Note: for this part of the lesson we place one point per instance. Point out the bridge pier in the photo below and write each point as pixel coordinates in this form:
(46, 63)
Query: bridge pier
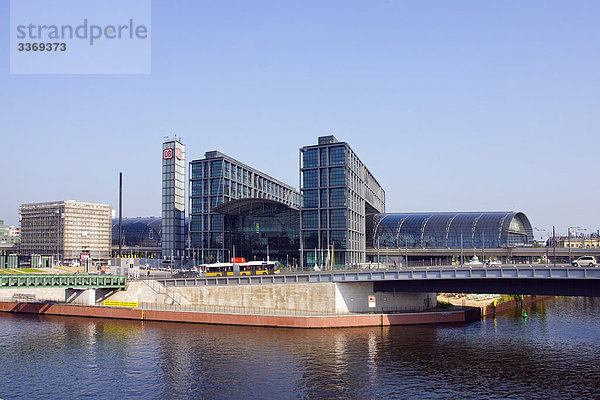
(85, 296)
(354, 298)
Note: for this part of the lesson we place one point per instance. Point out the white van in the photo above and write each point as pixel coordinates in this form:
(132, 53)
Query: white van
(585, 261)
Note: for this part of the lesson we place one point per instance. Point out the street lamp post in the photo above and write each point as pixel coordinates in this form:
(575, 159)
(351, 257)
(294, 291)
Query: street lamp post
(554, 245)
(542, 238)
(569, 236)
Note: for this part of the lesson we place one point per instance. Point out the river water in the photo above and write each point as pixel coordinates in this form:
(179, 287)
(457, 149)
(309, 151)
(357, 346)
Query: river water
(554, 353)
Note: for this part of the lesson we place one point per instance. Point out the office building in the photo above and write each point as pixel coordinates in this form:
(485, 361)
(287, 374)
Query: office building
(173, 199)
(9, 235)
(67, 230)
(218, 179)
(338, 191)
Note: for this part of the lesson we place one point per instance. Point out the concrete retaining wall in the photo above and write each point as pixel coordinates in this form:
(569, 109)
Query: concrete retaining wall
(322, 298)
(240, 319)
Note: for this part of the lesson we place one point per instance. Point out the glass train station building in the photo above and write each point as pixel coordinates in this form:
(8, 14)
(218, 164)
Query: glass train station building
(237, 211)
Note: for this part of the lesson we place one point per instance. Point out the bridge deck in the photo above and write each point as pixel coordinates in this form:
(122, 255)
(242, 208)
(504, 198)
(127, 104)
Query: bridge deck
(394, 275)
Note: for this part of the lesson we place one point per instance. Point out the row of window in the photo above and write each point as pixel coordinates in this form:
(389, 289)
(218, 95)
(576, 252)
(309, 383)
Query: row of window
(207, 240)
(206, 222)
(311, 240)
(336, 219)
(237, 175)
(319, 156)
(335, 176)
(324, 198)
(219, 186)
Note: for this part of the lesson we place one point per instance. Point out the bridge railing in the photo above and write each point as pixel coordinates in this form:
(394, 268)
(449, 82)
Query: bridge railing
(62, 281)
(266, 310)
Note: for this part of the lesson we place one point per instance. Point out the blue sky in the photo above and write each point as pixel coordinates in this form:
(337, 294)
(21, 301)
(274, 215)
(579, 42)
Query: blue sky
(453, 105)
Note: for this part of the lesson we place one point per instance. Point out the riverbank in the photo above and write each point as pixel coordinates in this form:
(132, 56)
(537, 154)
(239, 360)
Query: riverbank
(492, 305)
(281, 321)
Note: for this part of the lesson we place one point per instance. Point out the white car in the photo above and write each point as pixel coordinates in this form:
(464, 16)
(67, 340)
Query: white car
(585, 261)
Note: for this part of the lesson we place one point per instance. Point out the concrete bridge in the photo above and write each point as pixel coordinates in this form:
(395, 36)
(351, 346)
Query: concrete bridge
(520, 279)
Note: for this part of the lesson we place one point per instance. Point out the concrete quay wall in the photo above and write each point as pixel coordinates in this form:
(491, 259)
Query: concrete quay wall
(326, 298)
(341, 321)
(323, 298)
(512, 305)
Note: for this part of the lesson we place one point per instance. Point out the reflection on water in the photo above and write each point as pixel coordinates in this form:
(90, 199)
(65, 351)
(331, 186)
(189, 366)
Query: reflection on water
(554, 353)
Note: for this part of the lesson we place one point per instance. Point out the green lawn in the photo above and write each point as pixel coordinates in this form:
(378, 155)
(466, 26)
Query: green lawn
(16, 271)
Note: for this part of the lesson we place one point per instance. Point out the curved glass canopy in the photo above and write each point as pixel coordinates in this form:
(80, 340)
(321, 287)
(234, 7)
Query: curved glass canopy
(449, 230)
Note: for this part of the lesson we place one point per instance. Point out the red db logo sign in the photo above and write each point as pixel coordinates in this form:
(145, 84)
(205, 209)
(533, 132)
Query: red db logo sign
(167, 154)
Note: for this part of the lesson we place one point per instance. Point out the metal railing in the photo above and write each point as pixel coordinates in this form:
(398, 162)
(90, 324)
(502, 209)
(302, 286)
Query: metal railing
(218, 309)
(44, 300)
(269, 311)
(161, 289)
(62, 281)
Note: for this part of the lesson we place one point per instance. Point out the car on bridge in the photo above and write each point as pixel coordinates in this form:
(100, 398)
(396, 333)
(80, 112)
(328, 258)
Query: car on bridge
(585, 261)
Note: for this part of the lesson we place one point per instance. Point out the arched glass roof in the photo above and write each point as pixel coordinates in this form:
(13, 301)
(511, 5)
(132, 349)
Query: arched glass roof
(138, 232)
(449, 230)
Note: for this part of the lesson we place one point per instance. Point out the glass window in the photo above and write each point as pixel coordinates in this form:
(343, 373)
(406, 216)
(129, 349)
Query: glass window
(323, 156)
(196, 205)
(310, 199)
(338, 239)
(309, 178)
(196, 224)
(309, 158)
(337, 176)
(323, 177)
(324, 219)
(337, 197)
(216, 240)
(226, 170)
(337, 218)
(215, 168)
(215, 201)
(337, 155)
(310, 219)
(196, 171)
(216, 223)
(197, 188)
(311, 239)
(323, 197)
(216, 186)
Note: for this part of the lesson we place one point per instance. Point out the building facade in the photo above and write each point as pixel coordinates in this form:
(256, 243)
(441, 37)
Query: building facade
(338, 191)
(173, 199)
(261, 229)
(576, 242)
(9, 235)
(218, 179)
(67, 230)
